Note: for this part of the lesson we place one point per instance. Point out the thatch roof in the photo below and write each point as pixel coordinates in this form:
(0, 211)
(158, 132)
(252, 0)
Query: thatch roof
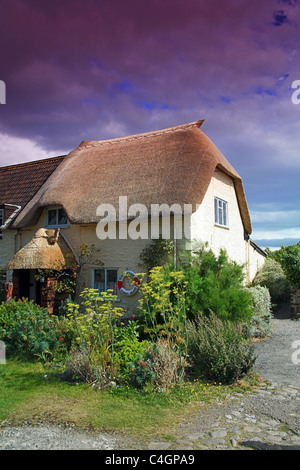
(173, 165)
(46, 250)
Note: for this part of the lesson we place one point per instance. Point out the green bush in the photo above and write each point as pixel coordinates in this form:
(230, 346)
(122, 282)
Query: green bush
(217, 349)
(215, 283)
(141, 370)
(29, 330)
(271, 275)
(289, 259)
(126, 352)
(260, 323)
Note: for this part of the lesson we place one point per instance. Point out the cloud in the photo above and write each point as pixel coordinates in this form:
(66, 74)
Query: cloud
(93, 70)
(17, 150)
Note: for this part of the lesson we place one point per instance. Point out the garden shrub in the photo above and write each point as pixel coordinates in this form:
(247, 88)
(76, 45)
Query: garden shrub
(289, 259)
(215, 283)
(260, 323)
(141, 371)
(271, 275)
(96, 324)
(162, 308)
(78, 368)
(28, 330)
(166, 365)
(126, 352)
(217, 349)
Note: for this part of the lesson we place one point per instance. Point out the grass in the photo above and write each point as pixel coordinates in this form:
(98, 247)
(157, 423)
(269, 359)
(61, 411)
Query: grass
(30, 391)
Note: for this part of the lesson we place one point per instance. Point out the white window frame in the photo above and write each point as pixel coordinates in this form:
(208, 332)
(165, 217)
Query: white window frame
(221, 212)
(105, 280)
(56, 225)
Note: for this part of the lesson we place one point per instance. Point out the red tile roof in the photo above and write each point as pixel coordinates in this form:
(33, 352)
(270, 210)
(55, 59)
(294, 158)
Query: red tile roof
(19, 183)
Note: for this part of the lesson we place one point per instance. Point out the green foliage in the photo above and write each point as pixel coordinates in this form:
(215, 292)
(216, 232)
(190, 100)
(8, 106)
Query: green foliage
(215, 283)
(217, 349)
(271, 275)
(95, 326)
(141, 370)
(156, 253)
(162, 307)
(289, 258)
(127, 348)
(260, 323)
(28, 330)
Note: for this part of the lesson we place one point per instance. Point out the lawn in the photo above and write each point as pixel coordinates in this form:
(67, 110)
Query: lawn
(30, 391)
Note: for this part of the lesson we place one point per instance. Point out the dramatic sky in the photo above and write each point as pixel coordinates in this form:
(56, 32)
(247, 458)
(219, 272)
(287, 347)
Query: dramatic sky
(95, 69)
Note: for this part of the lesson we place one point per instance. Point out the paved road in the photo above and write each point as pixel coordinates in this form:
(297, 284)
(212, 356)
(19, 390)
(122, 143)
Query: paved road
(276, 353)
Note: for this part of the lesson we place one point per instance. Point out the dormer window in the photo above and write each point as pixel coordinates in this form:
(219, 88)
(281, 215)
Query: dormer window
(56, 218)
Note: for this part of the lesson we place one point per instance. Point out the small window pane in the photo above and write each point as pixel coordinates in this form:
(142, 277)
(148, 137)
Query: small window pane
(111, 279)
(216, 211)
(52, 217)
(99, 280)
(224, 213)
(62, 217)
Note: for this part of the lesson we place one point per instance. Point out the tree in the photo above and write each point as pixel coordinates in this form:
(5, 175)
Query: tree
(289, 258)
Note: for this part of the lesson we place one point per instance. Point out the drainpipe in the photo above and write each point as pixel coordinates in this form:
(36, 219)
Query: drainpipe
(16, 211)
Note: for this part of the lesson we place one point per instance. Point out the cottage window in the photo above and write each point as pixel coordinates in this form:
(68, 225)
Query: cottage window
(105, 278)
(221, 212)
(56, 218)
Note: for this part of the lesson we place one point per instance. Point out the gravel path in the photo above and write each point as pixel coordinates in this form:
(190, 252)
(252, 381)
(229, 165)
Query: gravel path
(268, 418)
(274, 355)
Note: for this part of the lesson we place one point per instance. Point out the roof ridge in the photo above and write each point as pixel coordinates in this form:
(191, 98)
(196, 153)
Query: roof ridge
(129, 138)
(31, 162)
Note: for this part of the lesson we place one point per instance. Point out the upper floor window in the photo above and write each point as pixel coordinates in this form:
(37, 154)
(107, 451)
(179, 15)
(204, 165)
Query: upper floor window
(221, 212)
(56, 218)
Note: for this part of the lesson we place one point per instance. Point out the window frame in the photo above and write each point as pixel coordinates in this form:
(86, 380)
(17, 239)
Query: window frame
(56, 225)
(105, 279)
(221, 220)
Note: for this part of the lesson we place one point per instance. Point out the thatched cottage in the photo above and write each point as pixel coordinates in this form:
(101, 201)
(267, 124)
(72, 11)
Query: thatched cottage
(174, 168)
